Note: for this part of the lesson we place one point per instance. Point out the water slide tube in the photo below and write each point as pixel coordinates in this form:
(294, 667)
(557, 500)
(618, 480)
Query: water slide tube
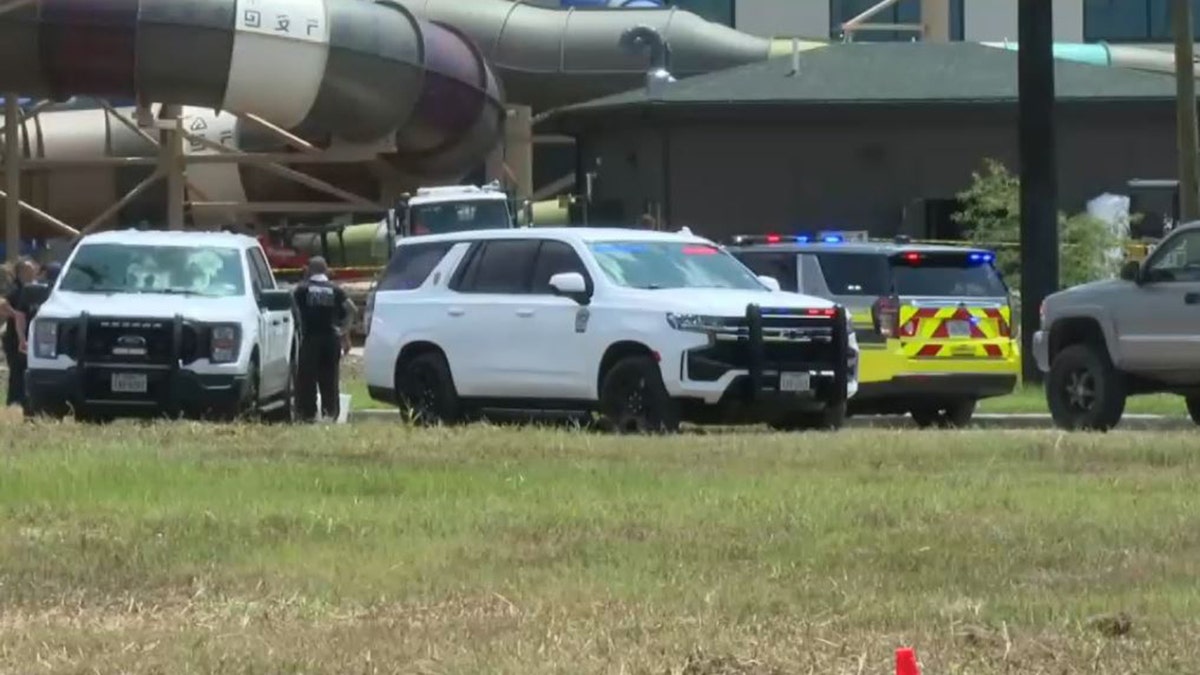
(416, 82)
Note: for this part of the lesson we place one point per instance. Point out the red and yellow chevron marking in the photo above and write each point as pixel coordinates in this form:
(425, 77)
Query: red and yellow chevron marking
(983, 332)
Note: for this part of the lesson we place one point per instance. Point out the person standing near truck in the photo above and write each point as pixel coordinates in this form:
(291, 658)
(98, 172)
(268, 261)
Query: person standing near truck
(325, 316)
(14, 335)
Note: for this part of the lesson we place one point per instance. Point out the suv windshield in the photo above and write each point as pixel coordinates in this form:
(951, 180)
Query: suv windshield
(664, 264)
(953, 277)
(124, 268)
(448, 217)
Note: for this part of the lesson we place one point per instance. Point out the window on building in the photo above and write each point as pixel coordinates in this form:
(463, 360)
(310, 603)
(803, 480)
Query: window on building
(1131, 20)
(717, 11)
(905, 11)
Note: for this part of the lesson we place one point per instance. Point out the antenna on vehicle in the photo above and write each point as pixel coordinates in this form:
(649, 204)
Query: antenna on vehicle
(644, 37)
(795, 57)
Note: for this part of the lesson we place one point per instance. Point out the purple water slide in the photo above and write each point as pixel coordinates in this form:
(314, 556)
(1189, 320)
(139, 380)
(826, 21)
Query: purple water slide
(352, 69)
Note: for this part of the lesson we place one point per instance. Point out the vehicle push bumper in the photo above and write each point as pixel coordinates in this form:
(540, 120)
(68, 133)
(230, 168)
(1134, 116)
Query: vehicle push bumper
(146, 382)
(777, 361)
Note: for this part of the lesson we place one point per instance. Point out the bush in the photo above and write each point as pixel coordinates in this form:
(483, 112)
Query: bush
(991, 216)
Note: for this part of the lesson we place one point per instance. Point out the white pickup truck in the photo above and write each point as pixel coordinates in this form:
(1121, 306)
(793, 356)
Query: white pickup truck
(148, 323)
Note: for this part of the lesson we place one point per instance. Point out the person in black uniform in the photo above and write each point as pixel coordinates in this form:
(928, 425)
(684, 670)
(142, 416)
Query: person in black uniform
(325, 314)
(14, 331)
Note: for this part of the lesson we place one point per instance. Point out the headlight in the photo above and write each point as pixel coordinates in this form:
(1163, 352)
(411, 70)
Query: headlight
(696, 323)
(224, 343)
(45, 339)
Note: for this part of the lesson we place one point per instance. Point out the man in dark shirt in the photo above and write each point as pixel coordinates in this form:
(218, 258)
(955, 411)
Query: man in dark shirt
(325, 314)
(14, 331)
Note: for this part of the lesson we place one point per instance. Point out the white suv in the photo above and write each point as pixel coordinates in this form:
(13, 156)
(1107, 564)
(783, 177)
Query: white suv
(647, 329)
(150, 323)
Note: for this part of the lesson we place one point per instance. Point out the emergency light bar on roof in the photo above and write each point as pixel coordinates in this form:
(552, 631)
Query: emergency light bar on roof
(823, 237)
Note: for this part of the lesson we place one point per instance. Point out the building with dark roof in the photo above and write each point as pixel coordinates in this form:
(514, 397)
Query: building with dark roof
(878, 136)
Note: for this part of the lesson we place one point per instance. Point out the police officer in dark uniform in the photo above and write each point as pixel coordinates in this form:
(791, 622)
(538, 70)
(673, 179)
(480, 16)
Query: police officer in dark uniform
(325, 314)
(24, 274)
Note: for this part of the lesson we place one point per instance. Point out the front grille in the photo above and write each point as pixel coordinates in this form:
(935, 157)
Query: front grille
(141, 341)
(134, 341)
(792, 340)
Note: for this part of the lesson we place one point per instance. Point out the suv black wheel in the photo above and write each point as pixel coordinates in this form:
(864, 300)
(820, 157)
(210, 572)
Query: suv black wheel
(948, 416)
(1084, 391)
(831, 418)
(633, 399)
(426, 390)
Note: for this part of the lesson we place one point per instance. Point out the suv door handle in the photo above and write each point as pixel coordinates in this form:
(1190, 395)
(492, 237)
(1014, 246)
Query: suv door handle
(1191, 298)
(455, 311)
(525, 313)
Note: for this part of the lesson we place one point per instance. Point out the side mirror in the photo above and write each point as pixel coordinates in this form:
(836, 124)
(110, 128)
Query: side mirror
(1131, 271)
(770, 282)
(571, 285)
(275, 300)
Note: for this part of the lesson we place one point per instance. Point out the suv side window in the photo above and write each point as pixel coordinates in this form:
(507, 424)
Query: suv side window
(411, 265)
(854, 273)
(781, 265)
(499, 266)
(1176, 260)
(260, 272)
(555, 257)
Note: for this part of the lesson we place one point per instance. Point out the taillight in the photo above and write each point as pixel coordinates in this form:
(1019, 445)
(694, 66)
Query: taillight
(886, 315)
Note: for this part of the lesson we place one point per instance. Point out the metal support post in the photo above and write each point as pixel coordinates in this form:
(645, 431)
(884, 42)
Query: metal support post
(1185, 101)
(518, 148)
(172, 164)
(1039, 170)
(12, 175)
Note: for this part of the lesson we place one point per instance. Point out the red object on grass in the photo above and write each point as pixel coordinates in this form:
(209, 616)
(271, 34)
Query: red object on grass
(906, 662)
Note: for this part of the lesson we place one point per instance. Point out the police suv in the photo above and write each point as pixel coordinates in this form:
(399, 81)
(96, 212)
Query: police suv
(934, 322)
(644, 329)
(145, 323)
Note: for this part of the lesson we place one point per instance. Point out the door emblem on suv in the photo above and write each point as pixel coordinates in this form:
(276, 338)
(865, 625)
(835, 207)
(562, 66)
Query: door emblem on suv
(130, 345)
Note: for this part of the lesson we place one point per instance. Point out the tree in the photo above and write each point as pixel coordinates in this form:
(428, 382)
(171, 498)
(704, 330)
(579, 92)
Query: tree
(991, 216)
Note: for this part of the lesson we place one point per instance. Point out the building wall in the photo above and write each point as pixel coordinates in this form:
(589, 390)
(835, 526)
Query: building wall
(861, 172)
(996, 20)
(984, 20)
(786, 18)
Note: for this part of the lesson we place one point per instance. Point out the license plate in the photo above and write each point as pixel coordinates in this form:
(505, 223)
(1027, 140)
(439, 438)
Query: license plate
(794, 382)
(958, 329)
(129, 383)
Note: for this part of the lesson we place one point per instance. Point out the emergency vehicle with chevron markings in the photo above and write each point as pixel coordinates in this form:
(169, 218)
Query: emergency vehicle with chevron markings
(934, 323)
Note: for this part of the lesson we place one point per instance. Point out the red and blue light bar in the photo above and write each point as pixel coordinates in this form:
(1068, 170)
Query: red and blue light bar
(788, 239)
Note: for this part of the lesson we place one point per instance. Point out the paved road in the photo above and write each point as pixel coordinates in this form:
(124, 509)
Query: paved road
(987, 421)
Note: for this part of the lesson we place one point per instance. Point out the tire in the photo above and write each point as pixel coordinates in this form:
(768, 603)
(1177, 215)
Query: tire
(832, 418)
(426, 392)
(250, 408)
(1193, 408)
(951, 416)
(634, 400)
(1084, 391)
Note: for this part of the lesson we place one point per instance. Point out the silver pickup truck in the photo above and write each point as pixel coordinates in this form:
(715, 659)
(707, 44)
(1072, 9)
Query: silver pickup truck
(1102, 342)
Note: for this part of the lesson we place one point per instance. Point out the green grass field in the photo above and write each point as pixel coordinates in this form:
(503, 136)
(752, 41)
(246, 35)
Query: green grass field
(379, 549)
